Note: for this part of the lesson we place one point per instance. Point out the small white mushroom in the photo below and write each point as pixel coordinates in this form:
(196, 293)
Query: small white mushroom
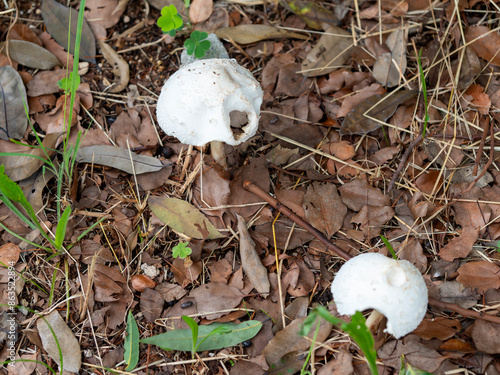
(395, 288)
(196, 102)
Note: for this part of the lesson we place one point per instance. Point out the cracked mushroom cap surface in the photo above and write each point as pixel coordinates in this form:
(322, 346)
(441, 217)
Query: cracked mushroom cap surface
(395, 288)
(195, 102)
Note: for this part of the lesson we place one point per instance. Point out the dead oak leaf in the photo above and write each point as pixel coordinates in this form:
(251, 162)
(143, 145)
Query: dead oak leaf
(481, 275)
(323, 207)
(480, 99)
(460, 246)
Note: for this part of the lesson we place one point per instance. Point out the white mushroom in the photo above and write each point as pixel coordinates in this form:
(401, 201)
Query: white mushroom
(395, 288)
(196, 102)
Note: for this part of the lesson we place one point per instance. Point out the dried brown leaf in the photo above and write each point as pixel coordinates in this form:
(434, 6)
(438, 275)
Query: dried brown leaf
(119, 65)
(13, 120)
(20, 167)
(323, 208)
(251, 262)
(151, 304)
(480, 275)
(486, 44)
(440, 327)
(141, 282)
(370, 114)
(246, 34)
(200, 10)
(358, 193)
(486, 336)
(66, 344)
(106, 13)
(332, 50)
(289, 340)
(390, 67)
(212, 299)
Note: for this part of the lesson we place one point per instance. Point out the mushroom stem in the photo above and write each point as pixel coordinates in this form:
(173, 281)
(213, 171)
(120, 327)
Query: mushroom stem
(374, 320)
(219, 153)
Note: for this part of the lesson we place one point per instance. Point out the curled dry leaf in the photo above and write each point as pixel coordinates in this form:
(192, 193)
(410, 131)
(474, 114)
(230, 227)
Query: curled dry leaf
(141, 282)
(13, 120)
(119, 65)
(390, 67)
(246, 34)
(66, 341)
(250, 261)
(480, 99)
(332, 51)
(481, 275)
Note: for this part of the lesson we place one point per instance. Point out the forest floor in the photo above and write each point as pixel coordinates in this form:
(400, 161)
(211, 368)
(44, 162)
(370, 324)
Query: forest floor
(379, 121)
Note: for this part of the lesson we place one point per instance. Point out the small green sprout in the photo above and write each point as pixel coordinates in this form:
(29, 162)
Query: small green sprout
(197, 44)
(66, 82)
(169, 21)
(181, 250)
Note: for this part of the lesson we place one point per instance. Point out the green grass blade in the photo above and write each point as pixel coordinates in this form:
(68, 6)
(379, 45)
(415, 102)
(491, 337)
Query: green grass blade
(61, 228)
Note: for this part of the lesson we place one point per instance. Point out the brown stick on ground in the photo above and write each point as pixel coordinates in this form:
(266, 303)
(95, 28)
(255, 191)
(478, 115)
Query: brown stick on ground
(464, 312)
(296, 219)
(341, 253)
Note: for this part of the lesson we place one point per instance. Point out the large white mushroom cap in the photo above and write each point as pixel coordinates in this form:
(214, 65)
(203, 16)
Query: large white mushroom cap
(395, 288)
(195, 102)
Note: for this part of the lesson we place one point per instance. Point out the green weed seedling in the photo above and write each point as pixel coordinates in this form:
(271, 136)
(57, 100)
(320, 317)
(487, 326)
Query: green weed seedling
(195, 344)
(170, 22)
(424, 92)
(181, 250)
(389, 246)
(357, 329)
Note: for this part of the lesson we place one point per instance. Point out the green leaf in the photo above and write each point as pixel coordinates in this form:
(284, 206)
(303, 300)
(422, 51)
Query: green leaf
(181, 339)
(131, 345)
(61, 228)
(169, 19)
(11, 192)
(389, 246)
(360, 333)
(194, 331)
(181, 250)
(183, 217)
(198, 36)
(197, 44)
(66, 83)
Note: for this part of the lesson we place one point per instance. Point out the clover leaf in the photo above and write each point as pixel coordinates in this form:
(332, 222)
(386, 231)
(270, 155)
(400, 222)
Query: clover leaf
(181, 250)
(169, 21)
(197, 44)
